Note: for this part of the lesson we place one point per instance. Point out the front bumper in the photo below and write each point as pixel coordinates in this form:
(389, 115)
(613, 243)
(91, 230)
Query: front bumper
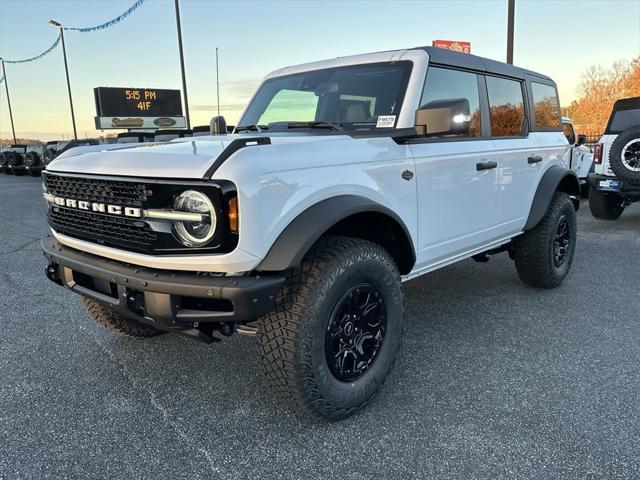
(169, 300)
(608, 184)
(34, 168)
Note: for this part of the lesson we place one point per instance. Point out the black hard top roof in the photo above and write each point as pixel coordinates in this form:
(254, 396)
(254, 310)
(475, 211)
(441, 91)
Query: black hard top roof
(627, 104)
(452, 58)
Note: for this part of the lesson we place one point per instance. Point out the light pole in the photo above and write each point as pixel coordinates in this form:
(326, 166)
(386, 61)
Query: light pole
(184, 78)
(510, 21)
(66, 70)
(6, 86)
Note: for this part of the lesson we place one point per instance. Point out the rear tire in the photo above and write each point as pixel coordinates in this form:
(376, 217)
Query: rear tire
(607, 206)
(344, 297)
(111, 320)
(544, 254)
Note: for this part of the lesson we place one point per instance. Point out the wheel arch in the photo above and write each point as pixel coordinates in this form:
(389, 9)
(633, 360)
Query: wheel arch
(555, 179)
(348, 215)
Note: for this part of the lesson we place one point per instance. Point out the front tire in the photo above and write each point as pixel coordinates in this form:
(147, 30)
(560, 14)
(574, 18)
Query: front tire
(606, 206)
(333, 337)
(544, 254)
(120, 324)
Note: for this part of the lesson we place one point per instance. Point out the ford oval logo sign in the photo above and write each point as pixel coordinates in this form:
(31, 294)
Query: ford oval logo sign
(164, 122)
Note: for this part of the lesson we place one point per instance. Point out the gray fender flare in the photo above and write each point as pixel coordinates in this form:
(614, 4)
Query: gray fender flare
(299, 236)
(554, 179)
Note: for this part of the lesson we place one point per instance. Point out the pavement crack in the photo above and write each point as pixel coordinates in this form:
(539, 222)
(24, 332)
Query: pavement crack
(21, 247)
(153, 400)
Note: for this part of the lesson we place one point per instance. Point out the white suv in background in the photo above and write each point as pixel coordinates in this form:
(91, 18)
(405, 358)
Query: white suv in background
(615, 182)
(344, 178)
(580, 156)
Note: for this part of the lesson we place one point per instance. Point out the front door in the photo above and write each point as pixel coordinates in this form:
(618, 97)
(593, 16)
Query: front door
(456, 170)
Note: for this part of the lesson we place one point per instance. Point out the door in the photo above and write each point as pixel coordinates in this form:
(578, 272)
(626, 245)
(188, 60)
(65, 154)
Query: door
(518, 156)
(457, 181)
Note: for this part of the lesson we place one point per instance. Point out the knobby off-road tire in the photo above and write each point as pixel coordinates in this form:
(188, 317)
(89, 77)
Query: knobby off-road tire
(607, 206)
(124, 326)
(624, 156)
(297, 341)
(543, 255)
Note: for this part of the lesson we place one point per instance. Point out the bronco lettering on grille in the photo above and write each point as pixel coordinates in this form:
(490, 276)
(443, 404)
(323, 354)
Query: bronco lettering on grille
(96, 207)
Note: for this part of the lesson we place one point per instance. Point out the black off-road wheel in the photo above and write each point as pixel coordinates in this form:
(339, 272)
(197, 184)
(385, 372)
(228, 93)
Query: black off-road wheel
(126, 327)
(606, 206)
(624, 156)
(544, 254)
(333, 337)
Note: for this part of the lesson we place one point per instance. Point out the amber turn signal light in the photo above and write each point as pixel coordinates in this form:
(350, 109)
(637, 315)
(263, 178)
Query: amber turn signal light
(233, 214)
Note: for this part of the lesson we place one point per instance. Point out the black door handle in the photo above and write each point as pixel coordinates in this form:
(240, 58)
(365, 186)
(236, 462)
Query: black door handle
(534, 159)
(486, 165)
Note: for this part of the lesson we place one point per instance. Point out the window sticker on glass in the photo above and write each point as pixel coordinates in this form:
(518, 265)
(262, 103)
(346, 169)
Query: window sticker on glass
(386, 121)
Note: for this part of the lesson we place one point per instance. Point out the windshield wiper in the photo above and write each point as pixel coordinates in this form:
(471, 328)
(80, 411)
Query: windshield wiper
(318, 125)
(251, 128)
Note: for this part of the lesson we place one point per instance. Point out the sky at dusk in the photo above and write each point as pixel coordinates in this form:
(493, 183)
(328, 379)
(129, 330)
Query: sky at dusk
(560, 38)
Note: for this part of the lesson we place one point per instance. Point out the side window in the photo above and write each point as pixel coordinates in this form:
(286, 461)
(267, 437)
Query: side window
(452, 101)
(506, 107)
(567, 128)
(545, 105)
(291, 106)
(623, 119)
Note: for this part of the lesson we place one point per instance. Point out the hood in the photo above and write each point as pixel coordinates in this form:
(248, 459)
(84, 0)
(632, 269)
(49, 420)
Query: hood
(185, 158)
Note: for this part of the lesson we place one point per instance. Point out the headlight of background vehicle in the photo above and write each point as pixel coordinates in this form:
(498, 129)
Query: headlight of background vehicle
(195, 234)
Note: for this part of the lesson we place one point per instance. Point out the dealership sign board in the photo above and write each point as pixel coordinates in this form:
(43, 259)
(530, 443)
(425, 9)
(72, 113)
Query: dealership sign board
(464, 47)
(137, 108)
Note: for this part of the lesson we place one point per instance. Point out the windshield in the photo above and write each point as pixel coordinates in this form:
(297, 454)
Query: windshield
(351, 97)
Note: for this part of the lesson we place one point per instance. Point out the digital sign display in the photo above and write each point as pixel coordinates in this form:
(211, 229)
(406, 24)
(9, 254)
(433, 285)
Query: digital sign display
(137, 102)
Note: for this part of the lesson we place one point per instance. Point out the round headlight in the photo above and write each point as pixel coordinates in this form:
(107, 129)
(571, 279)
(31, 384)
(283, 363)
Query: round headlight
(195, 233)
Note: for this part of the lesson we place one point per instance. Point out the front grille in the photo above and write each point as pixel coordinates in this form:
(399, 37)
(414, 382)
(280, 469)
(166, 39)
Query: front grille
(134, 234)
(114, 192)
(105, 229)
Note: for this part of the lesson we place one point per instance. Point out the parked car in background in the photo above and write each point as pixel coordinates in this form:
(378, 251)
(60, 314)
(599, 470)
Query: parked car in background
(135, 137)
(51, 149)
(201, 131)
(34, 159)
(615, 181)
(168, 134)
(13, 159)
(580, 155)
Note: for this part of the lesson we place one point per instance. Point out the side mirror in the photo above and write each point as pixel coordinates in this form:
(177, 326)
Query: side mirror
(218, 126)
(582, 138)
(445, 117)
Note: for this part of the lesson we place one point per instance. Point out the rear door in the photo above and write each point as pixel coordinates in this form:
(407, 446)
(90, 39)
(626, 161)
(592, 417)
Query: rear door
(457, 201)
(520, 163)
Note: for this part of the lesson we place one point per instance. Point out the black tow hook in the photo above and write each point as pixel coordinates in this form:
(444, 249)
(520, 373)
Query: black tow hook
(135, 302)
(51, 271)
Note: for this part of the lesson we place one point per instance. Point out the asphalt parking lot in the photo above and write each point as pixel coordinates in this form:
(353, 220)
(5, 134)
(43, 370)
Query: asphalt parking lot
(494, 379)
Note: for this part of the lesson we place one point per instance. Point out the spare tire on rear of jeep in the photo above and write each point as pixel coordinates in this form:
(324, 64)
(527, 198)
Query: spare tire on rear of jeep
(624, 156)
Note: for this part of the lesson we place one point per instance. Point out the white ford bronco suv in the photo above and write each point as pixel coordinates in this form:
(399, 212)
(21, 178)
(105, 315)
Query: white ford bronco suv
(343, 179)
(615, 181)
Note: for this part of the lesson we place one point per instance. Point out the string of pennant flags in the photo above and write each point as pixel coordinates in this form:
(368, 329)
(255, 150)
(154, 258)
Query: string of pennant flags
(111, 22)
(48, 50)
(102, 26)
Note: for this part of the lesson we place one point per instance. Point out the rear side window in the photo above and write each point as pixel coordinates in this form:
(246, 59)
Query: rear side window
(546, 105)
(506, 107)
(451, 96)
(623, 119)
